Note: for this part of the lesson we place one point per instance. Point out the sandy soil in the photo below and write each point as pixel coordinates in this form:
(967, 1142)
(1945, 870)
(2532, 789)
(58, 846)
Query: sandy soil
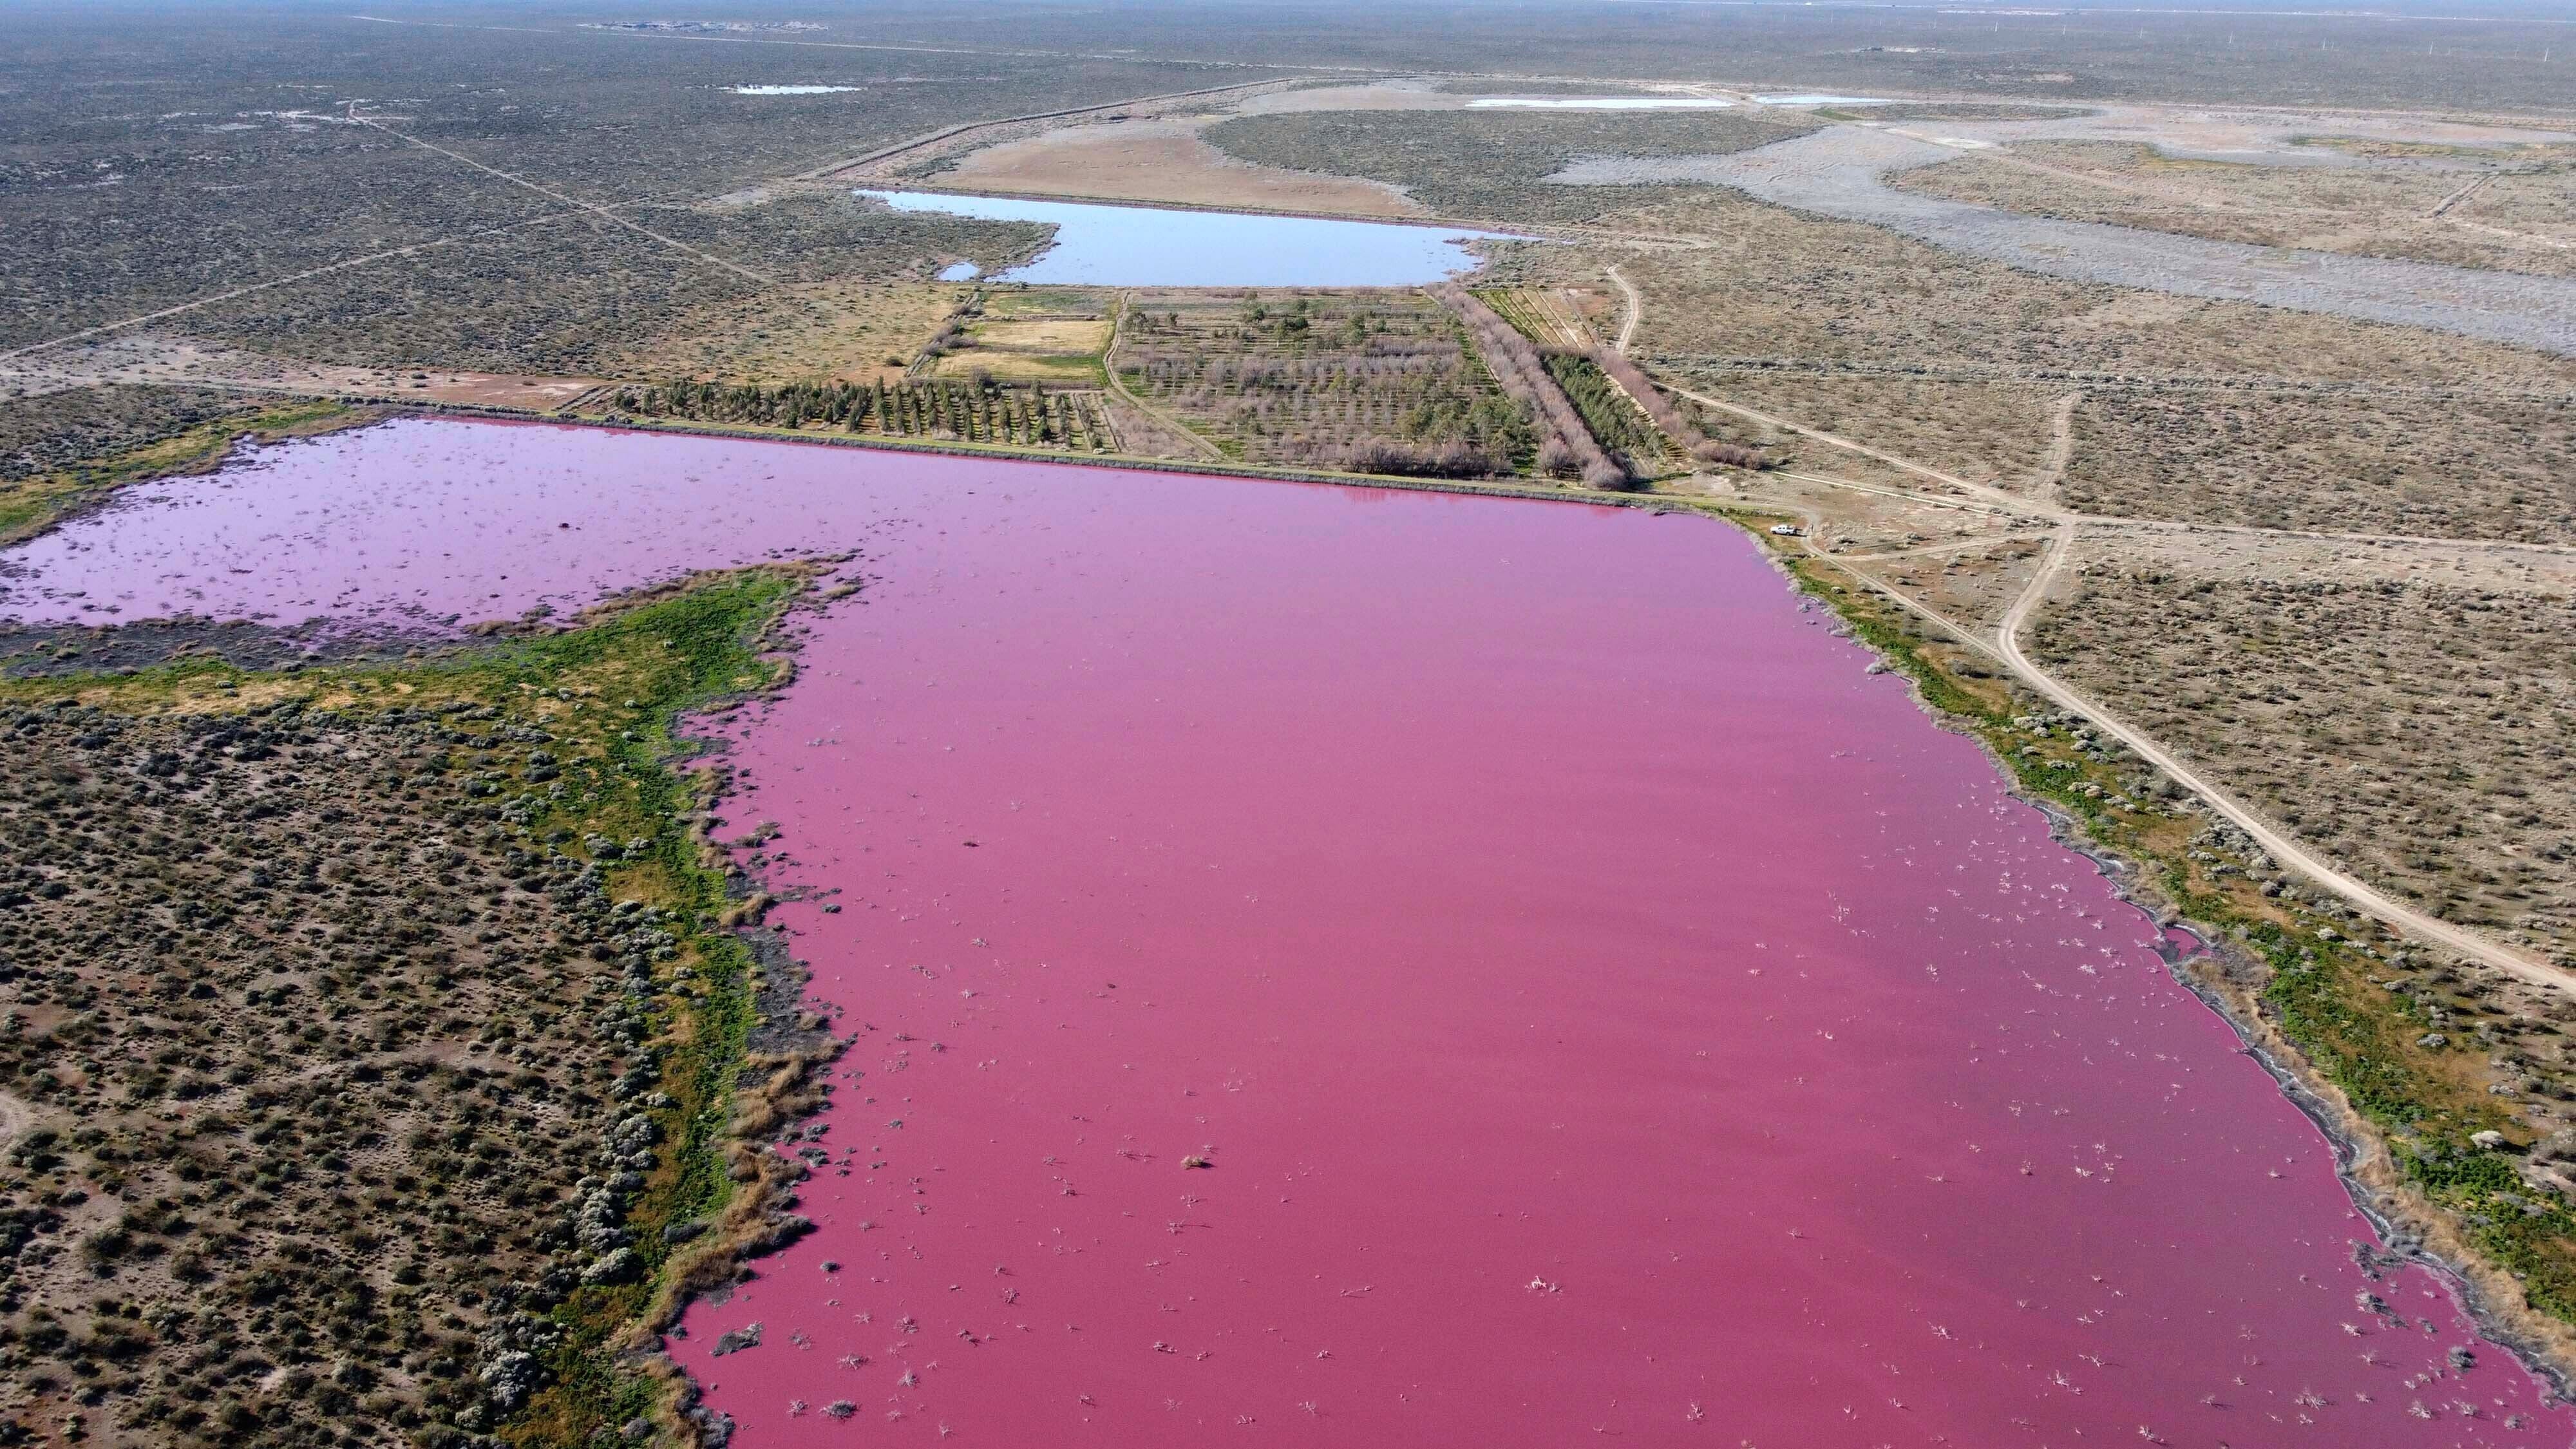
(1164, 161)
(15, 1117)
(858, 329)
(1853, 516)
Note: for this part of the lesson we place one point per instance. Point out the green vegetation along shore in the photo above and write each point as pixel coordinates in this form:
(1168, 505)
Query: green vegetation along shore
(2400, 1051)
(383, 1038)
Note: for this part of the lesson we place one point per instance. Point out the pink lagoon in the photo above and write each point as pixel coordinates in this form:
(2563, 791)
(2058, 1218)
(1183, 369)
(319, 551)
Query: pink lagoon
(1336, 966)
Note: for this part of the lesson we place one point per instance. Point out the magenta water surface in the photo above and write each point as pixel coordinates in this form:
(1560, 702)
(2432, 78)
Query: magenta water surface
(1603, 1009)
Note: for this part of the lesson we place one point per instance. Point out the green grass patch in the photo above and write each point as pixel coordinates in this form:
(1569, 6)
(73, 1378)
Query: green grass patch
(605, 698)
(29, 506)
(1617, 423)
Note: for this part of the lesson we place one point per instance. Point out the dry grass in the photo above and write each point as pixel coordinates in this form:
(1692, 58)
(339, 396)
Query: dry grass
(1063, 351)
(2419, 732)
(2316, 439)
(1773, 284)
(2456, 468)
(856, 331)
(362, 1028)
(1994, 433)
(1973, 585)
(290, 1053)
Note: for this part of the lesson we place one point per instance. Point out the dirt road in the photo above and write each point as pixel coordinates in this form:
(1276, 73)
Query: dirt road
(1636, 311)
(2287, 851)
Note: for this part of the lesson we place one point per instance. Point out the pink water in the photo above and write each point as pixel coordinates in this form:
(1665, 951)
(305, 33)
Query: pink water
(1605, 1008)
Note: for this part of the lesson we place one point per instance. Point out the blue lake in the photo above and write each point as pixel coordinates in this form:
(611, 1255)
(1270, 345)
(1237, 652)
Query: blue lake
(1147, 246)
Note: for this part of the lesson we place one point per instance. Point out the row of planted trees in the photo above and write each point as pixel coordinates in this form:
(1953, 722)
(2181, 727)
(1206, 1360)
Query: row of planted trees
(1676, 424)
(1566, 447)
(977, 410)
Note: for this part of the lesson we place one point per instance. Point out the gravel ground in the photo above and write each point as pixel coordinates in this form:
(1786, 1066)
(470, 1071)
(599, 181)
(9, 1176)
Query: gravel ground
(1838, 172)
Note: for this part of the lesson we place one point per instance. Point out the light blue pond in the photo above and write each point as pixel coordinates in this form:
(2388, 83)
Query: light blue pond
(1146, 246)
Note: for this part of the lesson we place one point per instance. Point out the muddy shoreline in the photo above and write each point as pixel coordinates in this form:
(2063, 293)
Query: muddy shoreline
(2408, 1232)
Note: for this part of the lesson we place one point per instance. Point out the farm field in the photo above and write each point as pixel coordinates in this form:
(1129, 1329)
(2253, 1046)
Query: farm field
(1378, 382)
(1035, 335)
(978, 410)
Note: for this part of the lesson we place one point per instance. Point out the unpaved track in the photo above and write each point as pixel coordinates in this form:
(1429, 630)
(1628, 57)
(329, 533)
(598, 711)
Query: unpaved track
(2044, 482)
(1979, 491)
(1636, 311)
(1926, 550)
(2287, 851)
(2224, 383)
(1118, 385)
(2009, 502)
(2005, 648)
(147, 318)
(604, 213)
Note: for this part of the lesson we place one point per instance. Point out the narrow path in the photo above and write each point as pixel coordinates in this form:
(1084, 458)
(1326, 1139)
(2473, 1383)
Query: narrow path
(1118, 385)
(2288, 852)
(123, 323)
(1923, 550)
(1996, 496)
(602, 212)
(2008, 502)
(2043, 484)
(2095, 381)
(2005, 648)
(1930, 500)
(1636, 311)
(2460, 195)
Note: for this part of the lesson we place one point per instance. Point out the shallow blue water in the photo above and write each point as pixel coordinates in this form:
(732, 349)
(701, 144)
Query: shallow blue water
(1145, 246)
